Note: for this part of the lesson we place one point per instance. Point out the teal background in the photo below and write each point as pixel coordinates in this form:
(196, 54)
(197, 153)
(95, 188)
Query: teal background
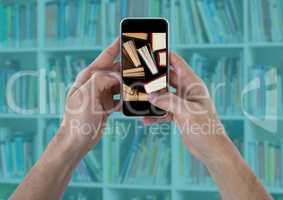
(163, 168)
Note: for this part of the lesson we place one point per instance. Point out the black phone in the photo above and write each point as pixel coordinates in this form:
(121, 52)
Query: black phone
(144, 60)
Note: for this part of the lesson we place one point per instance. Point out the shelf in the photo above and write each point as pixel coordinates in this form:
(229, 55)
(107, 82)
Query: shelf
(10, 181)
(33, 116)
(18, 116)
(265, 45)
(139, 187)
(275, 190)
(18, 50)
(208, 46)
(73, 49)
(232, 118)
(197, 188)
(85, 185)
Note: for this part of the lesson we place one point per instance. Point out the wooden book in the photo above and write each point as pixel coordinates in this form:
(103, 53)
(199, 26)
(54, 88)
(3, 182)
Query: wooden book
(131, 50)
(142, 36)
(148, 59)
(130, 94)
(162, 58)
(156, 84)
(158, 41)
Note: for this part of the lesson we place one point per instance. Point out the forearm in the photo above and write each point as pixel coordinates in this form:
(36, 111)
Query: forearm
(49, 178)
(234, 178)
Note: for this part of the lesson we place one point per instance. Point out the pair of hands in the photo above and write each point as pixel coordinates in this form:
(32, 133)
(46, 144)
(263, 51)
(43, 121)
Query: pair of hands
(90, 102)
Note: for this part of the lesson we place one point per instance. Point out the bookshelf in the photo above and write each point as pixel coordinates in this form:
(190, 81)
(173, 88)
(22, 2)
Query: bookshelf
(240, 127)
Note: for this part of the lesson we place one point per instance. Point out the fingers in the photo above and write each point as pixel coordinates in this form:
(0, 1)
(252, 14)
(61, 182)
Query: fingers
(86, 74)
(152, 120)
(103, 62)
(184, 73)
(107, 57)
(118, 105)
(169, 102)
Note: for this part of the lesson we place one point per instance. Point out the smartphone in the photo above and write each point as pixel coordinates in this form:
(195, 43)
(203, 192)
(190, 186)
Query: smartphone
(144, 60)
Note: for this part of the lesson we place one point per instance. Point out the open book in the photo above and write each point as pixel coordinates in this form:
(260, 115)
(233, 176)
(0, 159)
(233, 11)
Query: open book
(156, 84)
(148, 59)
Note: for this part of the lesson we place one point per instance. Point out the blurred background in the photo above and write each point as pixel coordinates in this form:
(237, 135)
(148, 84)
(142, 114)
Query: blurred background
(235, 46)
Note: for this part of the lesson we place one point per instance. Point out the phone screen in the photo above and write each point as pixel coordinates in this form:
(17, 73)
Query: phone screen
(144, 50)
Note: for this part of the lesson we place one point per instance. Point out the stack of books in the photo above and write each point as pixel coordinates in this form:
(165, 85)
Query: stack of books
(116, 10)
(73, 22)
(18, 24)
(90, 168)
(266, 99)
(62, 71)
(265, 159)
(207, 21)
(21, 96)
(16, 153)
(266, 20)
(224, 79)
(144, 64)
(192, 171)
(138, 155)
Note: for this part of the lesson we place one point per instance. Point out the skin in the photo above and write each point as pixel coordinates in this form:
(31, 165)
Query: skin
(190, 108)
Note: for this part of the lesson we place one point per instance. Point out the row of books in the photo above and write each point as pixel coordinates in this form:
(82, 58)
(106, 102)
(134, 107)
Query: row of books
(207, 21)
(192, 171)
(266, 99)
(73, 22)
(224, 78)
(18, 24)
(90, 168)
(21, 95)
(138, 155)
(16, 153)
(62, 71)
(265, 159)
(266, 20)
(116, 10)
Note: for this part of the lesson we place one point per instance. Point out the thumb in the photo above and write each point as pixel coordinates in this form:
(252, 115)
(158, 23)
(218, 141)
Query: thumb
(168, 101)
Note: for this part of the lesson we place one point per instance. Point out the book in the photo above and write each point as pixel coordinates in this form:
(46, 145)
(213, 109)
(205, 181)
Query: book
(130, 94)
(15, 153)
(207, 21)
(23, 97)
(162, 59)
(148, 59)
(131, 50)
(18, 26)
(73, 22)
(225, 90)
(142, 36)
(147, 161)
(158, 41)
(156, 84)
(265, 159)
(133, 72)
(62, 71)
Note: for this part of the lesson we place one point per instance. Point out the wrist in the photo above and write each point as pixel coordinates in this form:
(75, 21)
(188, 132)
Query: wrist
(224, 155)
(70, 148)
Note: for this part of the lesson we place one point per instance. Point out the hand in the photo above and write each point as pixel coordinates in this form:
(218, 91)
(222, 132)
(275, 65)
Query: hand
(90, 100)
(193, 111)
